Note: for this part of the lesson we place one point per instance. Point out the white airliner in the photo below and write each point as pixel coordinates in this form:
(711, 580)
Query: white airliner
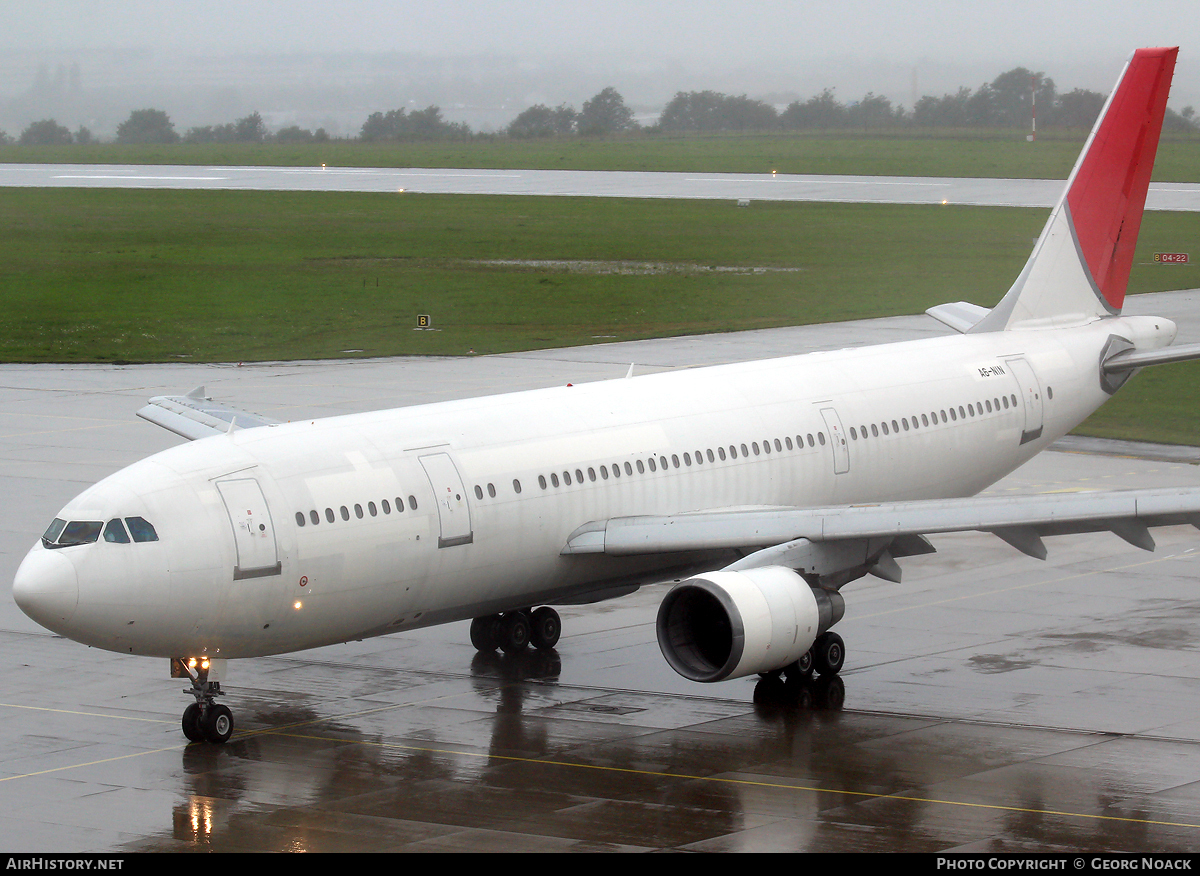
(789, 477)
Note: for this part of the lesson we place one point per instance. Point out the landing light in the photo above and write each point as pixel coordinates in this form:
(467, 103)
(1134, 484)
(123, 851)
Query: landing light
(297, 605)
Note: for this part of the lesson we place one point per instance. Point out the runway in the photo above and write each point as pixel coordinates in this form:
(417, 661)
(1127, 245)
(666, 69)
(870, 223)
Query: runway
(615, 184)
(990, 702)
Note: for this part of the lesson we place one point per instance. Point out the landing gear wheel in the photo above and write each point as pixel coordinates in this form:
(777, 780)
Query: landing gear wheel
(514, 632)
(485, 635)
(191, 723)
(545, 628)
(829, 653)
(217, 724)
(802, 668)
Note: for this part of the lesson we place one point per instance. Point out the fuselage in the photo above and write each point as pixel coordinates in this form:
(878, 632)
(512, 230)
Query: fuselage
(292, 536)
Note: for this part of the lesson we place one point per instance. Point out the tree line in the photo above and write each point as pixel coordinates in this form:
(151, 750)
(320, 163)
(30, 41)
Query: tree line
(1012, 99)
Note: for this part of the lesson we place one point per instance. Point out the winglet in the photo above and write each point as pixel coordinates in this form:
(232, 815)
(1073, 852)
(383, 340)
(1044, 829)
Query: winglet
(1080, 265)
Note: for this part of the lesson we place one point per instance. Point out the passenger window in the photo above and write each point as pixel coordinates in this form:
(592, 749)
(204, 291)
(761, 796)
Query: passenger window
(141, 529)
(591, 473)
(853, 434)
(567, 478)
(478, 492)
(329, 514)
(629, 468)
(674, 460)
(604, 472)
(579, 476)
(114, 532)
(491, 491)
(641, 468)
(755, 446)
(788, 442)
(412, 502)
(652, 465)
(721, 453)
(687, 459)
(387, 509)
(299, 522)
(399, 505)
(345, 513)
(371, 509)
(542, 481)
(516, 485)
(821, 438)
(314, 517)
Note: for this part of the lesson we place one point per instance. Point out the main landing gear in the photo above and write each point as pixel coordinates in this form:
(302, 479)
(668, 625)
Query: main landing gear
(204, 720)
(826, 658)
(514, 631)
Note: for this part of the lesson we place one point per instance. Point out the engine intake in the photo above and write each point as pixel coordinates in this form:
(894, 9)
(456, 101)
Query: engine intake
(731, 624)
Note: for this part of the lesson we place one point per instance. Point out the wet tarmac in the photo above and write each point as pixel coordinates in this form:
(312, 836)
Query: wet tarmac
(990, 702)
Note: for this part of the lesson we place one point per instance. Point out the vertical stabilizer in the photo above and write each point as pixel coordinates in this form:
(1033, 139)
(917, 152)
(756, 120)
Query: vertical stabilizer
(1080, 264)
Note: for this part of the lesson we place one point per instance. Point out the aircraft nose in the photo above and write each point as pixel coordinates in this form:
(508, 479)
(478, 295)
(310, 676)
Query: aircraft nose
(46, 588)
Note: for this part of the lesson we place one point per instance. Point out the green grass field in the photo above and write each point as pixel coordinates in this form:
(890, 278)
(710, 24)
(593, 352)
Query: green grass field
(139, 276)
(908, 152)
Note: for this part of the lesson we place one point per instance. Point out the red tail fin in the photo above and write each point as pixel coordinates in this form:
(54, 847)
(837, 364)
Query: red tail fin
(1108, 190)
(1080, 265)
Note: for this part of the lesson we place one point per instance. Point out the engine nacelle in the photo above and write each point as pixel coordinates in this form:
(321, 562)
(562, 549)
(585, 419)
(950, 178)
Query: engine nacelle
(730, 624)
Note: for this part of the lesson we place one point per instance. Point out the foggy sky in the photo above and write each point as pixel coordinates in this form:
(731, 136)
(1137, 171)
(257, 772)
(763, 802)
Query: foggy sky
(647, 50)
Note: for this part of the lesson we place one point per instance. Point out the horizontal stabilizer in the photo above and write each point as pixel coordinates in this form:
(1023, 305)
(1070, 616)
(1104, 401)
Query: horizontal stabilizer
(1131, 359)
(194, 416)
(961, 316)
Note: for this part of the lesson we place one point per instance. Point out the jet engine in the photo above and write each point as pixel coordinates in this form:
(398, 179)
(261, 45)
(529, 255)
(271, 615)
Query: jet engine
(725, 625)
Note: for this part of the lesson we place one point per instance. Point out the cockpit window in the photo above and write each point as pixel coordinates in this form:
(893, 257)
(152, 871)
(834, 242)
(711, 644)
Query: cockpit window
(52, 531)
(114, 532)
(73, 533)
(141, 529)
(62, 534)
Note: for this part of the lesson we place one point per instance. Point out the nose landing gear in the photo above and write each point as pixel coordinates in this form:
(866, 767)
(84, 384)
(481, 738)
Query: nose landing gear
(204, 720)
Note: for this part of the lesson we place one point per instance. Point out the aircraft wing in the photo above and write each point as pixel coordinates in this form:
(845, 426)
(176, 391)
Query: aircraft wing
(817, 539)
(196, 416)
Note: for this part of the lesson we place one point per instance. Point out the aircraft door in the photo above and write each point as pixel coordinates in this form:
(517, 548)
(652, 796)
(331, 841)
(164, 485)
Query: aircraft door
(454, 513)
(253, 532)
(837, 437)
(1031, 398)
